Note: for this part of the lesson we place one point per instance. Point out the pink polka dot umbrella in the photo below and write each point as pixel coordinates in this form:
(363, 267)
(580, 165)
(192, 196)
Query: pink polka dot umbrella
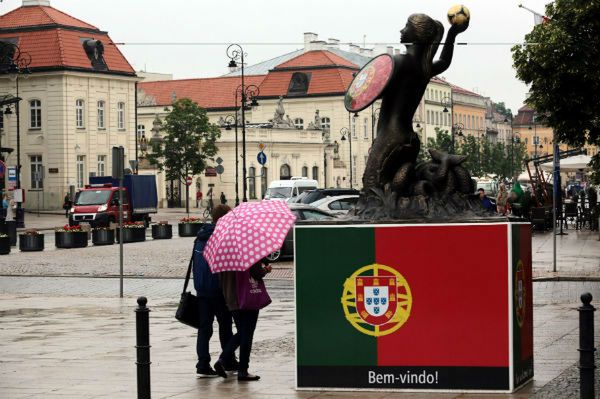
(247, 234)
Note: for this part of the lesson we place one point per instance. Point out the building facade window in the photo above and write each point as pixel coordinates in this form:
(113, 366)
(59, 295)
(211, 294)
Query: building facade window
(79, 114)
(252, 182)
(315, 173)
(365, 128)
(141, 130)
(437, 118)
(101, 165)
(354, 168)
(353, 126)
(37, 172)
(35, 113)
(285, 172)
(80, 171)
(305, 171)
(121, 115)
(428, 117)
(1, 121)
(263, 181)
(100, 107)
(299, 123)
(325, 123)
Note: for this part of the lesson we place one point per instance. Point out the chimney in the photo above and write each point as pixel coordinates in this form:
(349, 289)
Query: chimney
(353, 48)
(316, 45)
(396, 51)
(308, 38)
(389, 50)
(333, 43)
(27, 3)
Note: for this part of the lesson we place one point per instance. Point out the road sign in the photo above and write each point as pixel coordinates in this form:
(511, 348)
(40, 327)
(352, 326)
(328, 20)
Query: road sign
(261, 146)
(219, 160)
(261, 158)
(220, 169)
(188, 181)
(12, 177)
(2, 169)
(210, 172)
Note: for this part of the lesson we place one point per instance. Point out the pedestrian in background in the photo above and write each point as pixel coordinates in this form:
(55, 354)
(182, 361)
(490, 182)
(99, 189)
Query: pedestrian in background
(67, 204)
(198, 199)
(223, 199)
(485, 201)
(211, 302)
(501, 200)
(9, 204)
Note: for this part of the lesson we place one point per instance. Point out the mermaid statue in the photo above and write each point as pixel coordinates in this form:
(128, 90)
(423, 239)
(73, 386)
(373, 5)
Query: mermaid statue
(394, 184)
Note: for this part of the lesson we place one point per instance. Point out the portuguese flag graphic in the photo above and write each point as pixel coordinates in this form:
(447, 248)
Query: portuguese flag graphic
(432, 307)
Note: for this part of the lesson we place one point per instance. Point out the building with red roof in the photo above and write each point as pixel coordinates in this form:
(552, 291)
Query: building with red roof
(77, 102)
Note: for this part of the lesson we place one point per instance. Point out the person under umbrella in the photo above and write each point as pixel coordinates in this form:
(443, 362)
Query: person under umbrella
(237, 250)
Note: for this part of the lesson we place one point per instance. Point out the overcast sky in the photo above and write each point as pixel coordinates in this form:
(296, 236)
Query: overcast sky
(486, 69)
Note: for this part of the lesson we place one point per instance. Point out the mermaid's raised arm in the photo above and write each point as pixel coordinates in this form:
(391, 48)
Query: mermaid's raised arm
(445, 59)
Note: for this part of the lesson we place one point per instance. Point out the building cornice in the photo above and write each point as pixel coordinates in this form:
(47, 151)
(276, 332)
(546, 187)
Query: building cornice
(312, 68)
(37, 28)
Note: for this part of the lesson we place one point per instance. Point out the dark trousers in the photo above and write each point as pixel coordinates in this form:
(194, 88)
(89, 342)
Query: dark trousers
(210, 308)
(245, 322)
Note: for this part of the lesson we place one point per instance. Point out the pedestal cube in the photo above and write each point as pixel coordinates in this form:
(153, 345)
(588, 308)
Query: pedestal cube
(419, 307)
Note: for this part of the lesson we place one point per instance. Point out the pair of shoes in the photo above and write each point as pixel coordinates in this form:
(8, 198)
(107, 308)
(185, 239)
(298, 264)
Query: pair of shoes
(220, 369)
(232, 367)
(248, 377)
(207, 372)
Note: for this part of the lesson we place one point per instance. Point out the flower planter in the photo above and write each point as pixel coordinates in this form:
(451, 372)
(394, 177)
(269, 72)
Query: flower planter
(4, 245)
(135, 234)
(71, 239)
(103, 237)
(31, 242)
(189, 229)
(162, 231)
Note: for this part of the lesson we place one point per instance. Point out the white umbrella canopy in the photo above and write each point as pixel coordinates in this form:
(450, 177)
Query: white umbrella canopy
(570, 164)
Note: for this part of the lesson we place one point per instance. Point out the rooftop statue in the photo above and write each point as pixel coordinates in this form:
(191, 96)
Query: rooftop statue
(395, 185)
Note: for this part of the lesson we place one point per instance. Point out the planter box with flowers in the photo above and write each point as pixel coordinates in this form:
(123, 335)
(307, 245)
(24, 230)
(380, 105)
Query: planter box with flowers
(189, 227)
(103, 236)
(132, 232)
(162, 231)
(31, 241)
(70, 237)
(4, 244)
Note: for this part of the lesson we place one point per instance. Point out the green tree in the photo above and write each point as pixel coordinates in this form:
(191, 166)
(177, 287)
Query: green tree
(189, 141)
(471, 147)
(561, 67)
(501, 109)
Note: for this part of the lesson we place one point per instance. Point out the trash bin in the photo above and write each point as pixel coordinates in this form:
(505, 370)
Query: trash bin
(10, 228)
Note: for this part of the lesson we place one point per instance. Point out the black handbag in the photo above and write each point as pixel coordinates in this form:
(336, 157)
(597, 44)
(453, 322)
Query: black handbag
(188, 310)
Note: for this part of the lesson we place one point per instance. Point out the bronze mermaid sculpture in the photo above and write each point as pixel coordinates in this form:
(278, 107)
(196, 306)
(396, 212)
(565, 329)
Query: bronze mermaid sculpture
(394, 185)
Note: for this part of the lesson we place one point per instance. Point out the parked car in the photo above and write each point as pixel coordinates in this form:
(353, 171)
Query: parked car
(302, 212)
(308, 197)
(338, 205)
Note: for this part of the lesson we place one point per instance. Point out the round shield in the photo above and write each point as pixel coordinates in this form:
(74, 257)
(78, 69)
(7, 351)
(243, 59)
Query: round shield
(369, 83)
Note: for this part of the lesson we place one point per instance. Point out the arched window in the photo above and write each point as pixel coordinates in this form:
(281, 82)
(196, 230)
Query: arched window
(100, 114)
(285, 172)
(315, 173)
(325, 123)
(305, 171)
(35, 112)
(299, 123)
(79, 105)
(252, 182)
(263, 181)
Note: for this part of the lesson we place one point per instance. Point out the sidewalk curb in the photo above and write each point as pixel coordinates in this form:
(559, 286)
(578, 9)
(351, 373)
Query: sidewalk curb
(566, 278)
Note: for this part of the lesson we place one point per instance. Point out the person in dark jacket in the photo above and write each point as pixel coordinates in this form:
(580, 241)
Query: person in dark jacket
(245, 322)
(211, 302)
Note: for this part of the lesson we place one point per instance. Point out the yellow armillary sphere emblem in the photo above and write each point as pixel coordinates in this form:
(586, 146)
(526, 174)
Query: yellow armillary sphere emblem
(376, 300)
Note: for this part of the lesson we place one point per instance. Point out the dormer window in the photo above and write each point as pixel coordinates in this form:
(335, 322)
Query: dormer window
(298, 84)
(94, 49)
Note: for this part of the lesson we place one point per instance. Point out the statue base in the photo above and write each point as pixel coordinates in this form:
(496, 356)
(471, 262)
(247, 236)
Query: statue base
(411, 306)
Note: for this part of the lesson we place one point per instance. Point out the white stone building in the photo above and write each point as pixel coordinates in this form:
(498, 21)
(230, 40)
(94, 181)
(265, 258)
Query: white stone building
(77, 102)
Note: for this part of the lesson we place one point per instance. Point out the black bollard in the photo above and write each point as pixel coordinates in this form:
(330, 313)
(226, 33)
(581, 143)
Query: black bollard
(142, 334)
(586, 348)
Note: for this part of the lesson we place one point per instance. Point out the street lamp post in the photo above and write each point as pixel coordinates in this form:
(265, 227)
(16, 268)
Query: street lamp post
(457, 129)
(229, 119)
(374, 118)
(15, 62)
(346, 132)
(235, 52)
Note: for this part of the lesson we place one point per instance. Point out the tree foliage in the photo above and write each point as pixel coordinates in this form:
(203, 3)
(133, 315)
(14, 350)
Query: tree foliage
(483, 156)
(189, 141)
(501, 109)
(561, 66)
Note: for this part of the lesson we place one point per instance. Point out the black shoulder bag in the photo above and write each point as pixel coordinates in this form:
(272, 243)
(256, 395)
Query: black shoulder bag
(188, 310)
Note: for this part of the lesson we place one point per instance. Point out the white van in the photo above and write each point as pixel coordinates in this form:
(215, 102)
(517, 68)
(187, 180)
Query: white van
(285, 189)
